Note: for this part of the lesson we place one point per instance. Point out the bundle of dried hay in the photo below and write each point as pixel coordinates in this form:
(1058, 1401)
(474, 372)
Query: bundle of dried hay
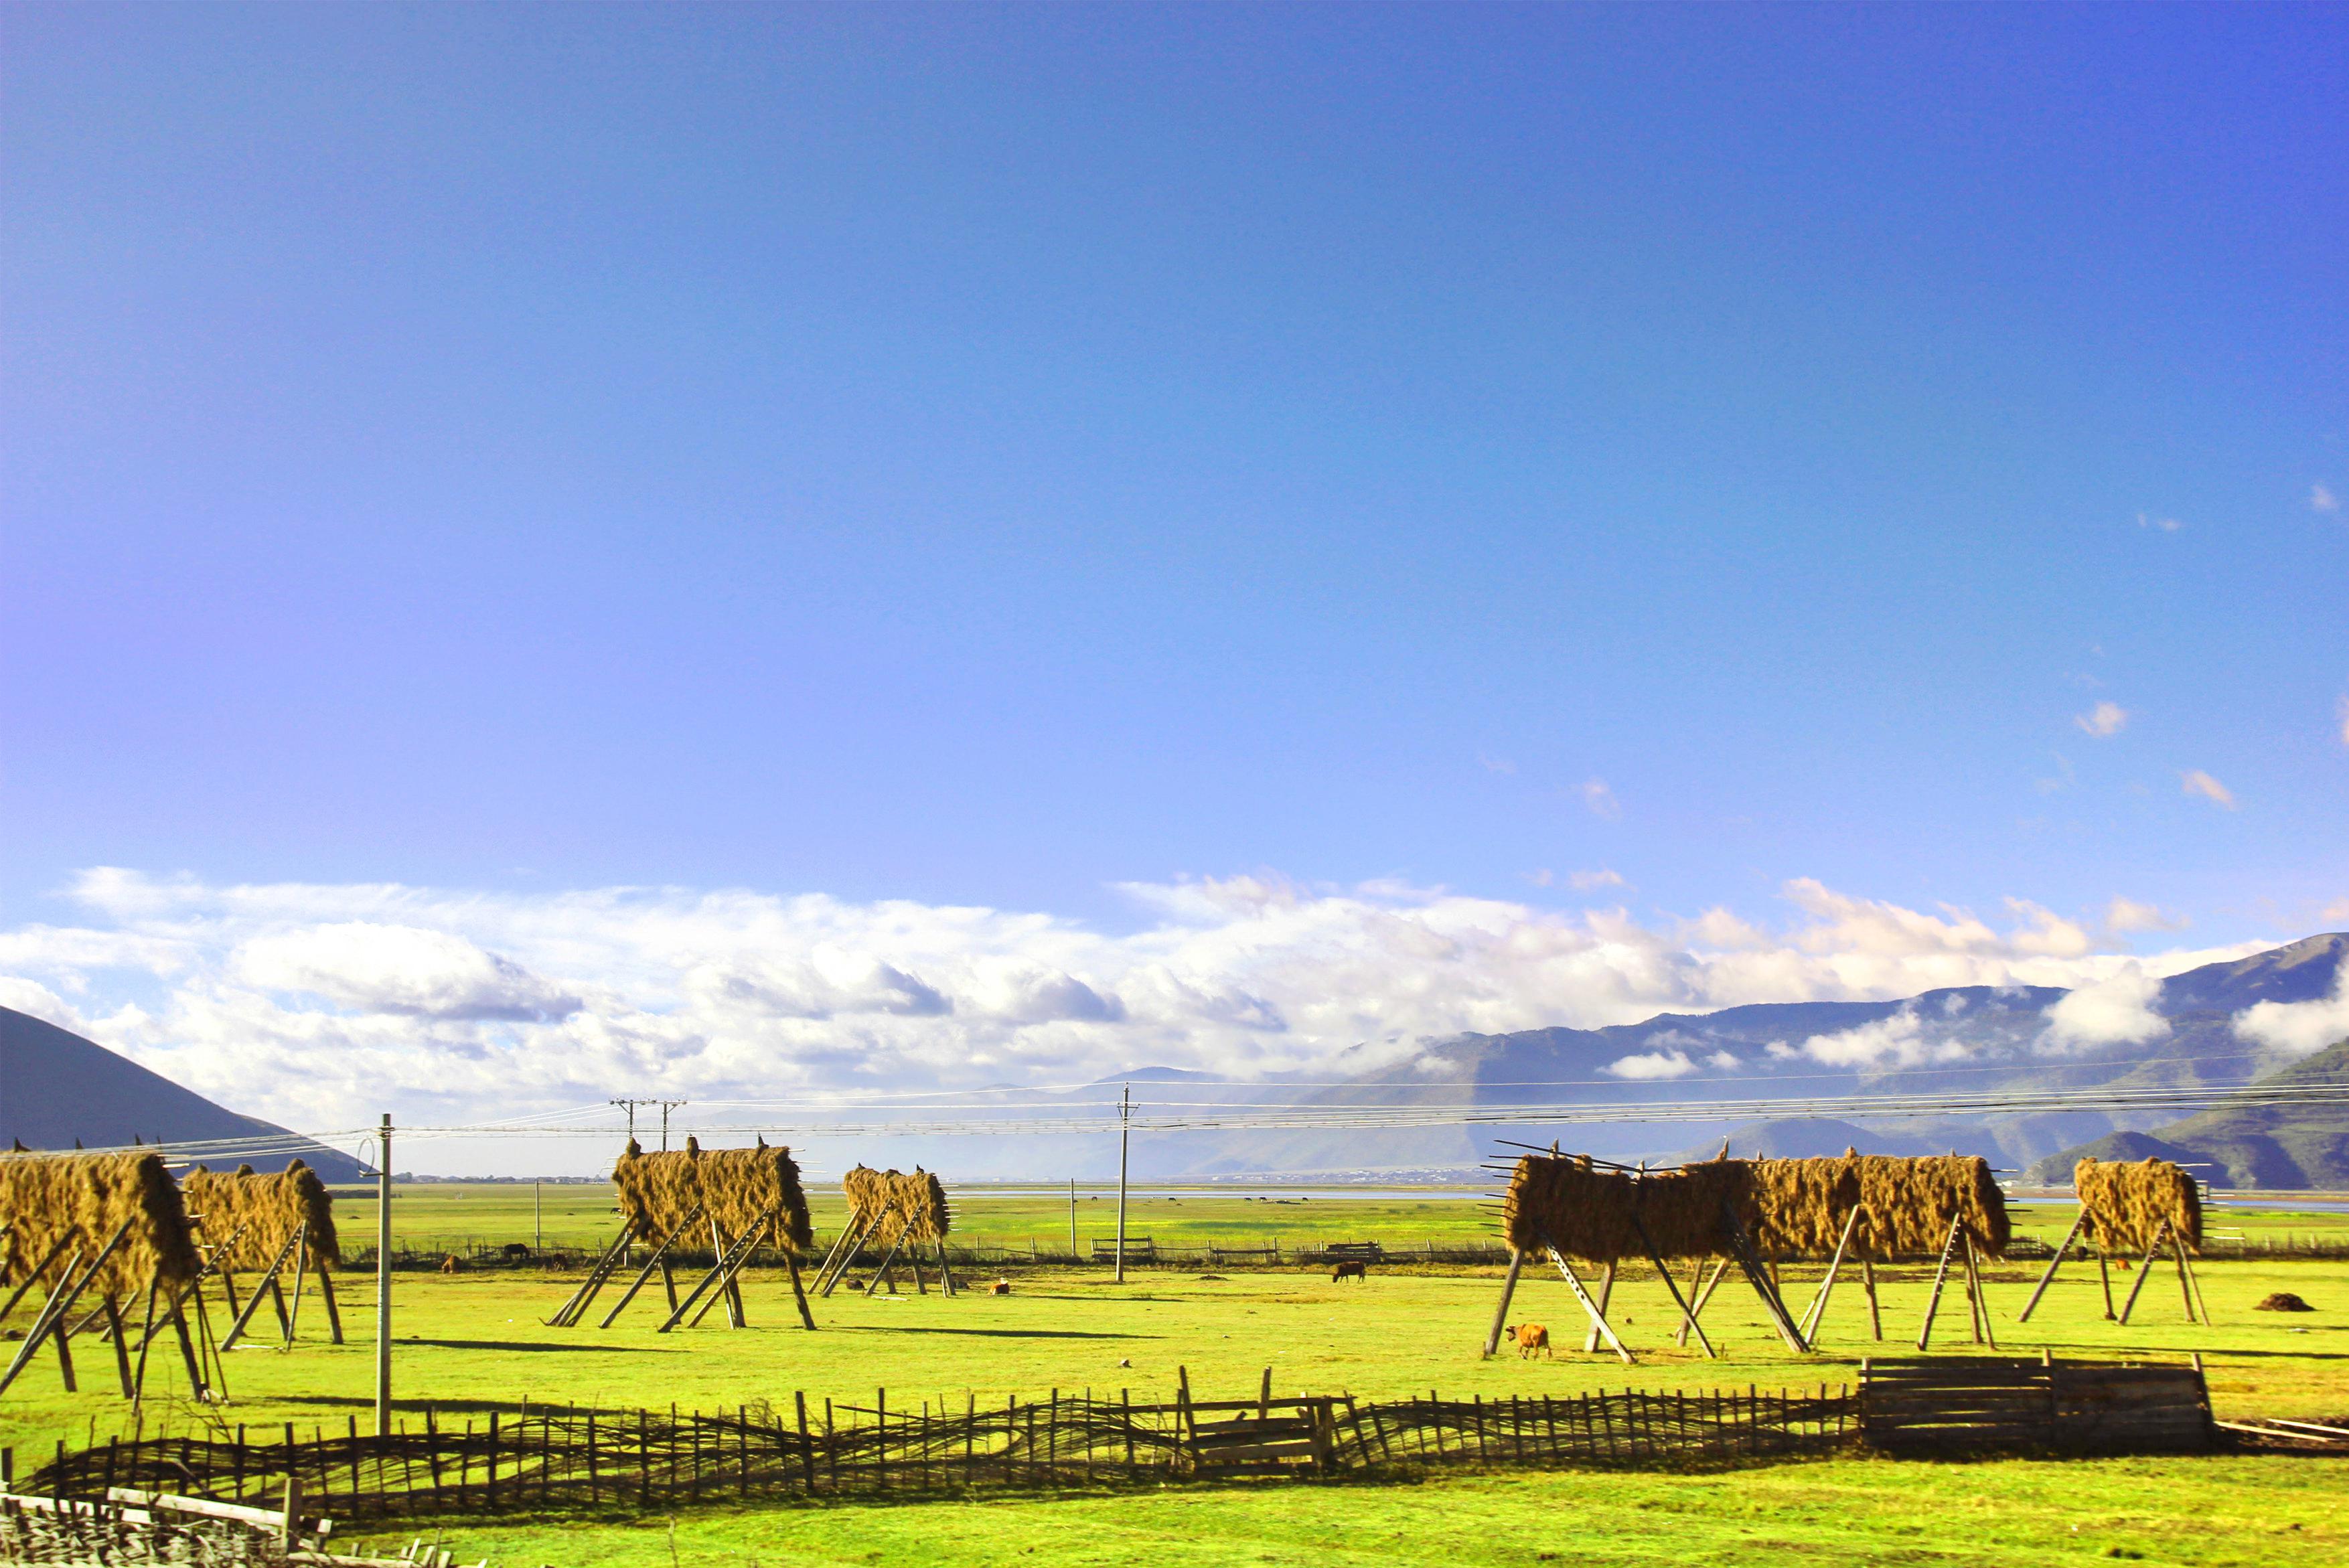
(1799, 1206)
(1567, 1203)
(922, 1199)
(245, 1217)
(866, 1190)
(44, 1196)
(735, 1187)
(1790, 1207)
(2126, 1203)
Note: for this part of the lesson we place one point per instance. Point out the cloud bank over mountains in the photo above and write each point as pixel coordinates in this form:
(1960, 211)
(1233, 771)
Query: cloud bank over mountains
(320, 1005)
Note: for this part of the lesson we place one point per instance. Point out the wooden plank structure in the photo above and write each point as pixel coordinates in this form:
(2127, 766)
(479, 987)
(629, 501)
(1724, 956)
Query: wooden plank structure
(738, 1200)
(1949, 1403)
(96, 1228)
(2126, 1206)
(1747, 1214)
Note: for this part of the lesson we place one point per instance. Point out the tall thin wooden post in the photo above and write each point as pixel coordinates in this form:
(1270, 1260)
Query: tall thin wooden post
(1508, 1289)
(383, 1279)
(1074, 1255)
(1125, 1129)
(1606, 1297)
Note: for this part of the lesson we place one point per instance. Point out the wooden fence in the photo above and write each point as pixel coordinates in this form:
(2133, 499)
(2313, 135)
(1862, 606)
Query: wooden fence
(559, 1460)
(1955, 1402)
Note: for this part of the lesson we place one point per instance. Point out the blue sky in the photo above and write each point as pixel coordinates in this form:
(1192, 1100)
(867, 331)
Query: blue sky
(985, 458)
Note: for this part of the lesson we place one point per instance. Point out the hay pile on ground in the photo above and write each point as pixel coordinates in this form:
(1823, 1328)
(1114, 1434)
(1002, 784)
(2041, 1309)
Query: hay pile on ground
(245, 1217)
(2282, 1301)
(43, 1196)
(735, 1187)
(1792, 1208)
(2125, 1203)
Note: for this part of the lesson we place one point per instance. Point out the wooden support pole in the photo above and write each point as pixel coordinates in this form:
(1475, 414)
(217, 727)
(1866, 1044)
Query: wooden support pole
(798, 1291)
(1606, 1330)
(1820, 1301)
(51, 1324)
(946, 1269)
(2151, 1252)
(569, 1312)
(657, 1261)
(1977, 1298)
(1688, 1316)
(2196, 1280)
(1606, 1299)
(121, 1350)
(2185, 1285)
(1501, 1312)
(267, 1282)
(72, 1234)
(1875, 1310)
(145, 1332)
(301, 1273)
(2052, 1265)
(1696, 1303)
(1940, 1273)
(326, 1294)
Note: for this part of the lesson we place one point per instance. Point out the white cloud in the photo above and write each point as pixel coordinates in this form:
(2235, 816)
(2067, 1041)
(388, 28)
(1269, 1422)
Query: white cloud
(2108, 1012)
(2291, 1030)
(1588, 881)
(2126, 914)
(2321, 498)
(1601, 799)
(2194, 781)
(321, 1005)
(2103, 720)
(1720, 1059)
(1494, 764)
(1651, 1065)
(1545, 877)
(2165, 524)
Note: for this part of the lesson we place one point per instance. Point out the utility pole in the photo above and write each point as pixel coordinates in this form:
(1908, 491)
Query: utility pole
(666, 1107)
(538, 1215)
(1124, 1125)
(1074, 1255)
(383, 1280)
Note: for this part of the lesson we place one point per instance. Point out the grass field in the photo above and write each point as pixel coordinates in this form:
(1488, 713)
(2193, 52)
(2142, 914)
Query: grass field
(473, 1342)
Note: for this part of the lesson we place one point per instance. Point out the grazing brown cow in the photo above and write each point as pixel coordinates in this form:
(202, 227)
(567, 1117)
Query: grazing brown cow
(1350, 1270)
(452, 1264)
(1000, 1288)
(1529, 1337)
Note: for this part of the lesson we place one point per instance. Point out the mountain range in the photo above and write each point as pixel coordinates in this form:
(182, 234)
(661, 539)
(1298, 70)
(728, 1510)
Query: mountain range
(58, 1091)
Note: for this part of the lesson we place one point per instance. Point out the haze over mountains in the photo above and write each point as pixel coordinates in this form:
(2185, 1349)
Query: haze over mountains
(2219, 1027)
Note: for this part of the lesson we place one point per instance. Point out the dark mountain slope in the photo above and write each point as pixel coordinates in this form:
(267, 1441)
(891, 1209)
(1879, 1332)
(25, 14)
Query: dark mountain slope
(57, 1087)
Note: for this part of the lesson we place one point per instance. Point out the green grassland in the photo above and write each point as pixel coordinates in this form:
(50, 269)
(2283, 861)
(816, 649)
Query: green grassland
(451, 1215)
(470, 1343)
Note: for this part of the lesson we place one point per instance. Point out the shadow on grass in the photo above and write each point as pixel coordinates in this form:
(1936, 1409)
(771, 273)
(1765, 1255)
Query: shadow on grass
(988, 1333)
(534, 1347)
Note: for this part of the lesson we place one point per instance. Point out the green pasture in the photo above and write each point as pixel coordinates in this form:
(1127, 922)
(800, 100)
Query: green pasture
(474, 1342)
(2231, 1512)
(449, 1216)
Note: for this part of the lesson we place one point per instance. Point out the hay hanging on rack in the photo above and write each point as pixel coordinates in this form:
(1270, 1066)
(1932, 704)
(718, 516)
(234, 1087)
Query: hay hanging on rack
(866, 1190)
(2125, 1203)
(1790, 1207)
(44, 1196)
(735, 1187)
(922, 1200)
(245, 1217)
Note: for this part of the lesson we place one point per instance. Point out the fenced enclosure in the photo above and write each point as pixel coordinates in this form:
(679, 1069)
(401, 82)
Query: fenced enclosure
(557, 1460)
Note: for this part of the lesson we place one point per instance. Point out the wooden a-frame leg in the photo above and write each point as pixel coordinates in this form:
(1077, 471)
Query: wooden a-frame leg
(1606, 1299)
(2185, 1285)
(1875, 1308)
(326, 1294)
(146, 1336)
(1599, 1318)
(2104, 1276)
(197, 1388)
(1978, 1298)
(1820, 1301)
(1697, 1298)
(2052, 1265)
(798, 1291)
(2151, 1252)
(121, 1350)
(1940, 1275)
(1501, 1312)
